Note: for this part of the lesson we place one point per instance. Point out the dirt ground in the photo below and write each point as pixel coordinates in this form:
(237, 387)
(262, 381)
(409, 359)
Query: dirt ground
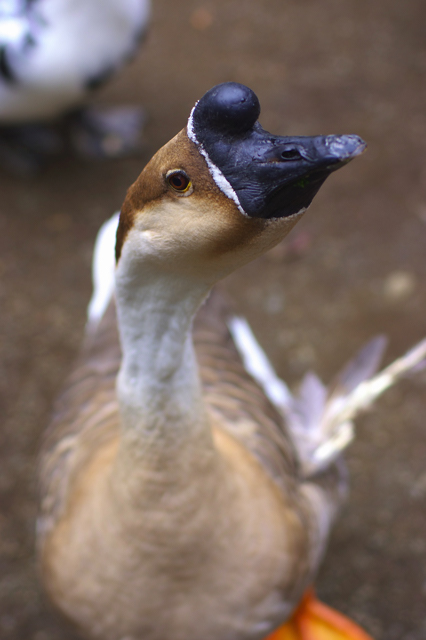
(354, 267)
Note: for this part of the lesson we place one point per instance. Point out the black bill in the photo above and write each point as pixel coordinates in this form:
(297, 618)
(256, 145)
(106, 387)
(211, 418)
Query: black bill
(271, 176)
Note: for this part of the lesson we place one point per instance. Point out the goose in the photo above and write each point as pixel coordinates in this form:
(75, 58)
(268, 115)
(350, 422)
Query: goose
(186, 493)
(52, 54)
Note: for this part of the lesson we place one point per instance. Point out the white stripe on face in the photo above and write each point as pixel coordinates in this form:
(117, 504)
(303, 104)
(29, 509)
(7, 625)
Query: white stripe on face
(215, 172)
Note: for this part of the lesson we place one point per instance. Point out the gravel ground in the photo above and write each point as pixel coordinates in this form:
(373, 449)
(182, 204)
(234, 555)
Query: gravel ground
(353, 268)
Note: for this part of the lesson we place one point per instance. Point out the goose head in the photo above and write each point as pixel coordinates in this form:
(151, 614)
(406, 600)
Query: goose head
(224, 190)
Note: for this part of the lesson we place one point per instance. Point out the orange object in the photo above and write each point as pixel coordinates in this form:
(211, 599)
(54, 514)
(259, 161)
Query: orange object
(314, 620)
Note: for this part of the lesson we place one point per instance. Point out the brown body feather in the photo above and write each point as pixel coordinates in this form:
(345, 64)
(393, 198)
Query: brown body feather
(86, 414)
(83, 438)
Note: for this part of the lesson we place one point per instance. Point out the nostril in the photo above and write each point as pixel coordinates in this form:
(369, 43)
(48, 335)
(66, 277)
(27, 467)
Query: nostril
(290, 154)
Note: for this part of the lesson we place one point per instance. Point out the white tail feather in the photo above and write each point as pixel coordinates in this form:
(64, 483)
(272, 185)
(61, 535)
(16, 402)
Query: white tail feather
(320, 420)
(365, 393)
(103, 269)
(257, 363)
(321, 441)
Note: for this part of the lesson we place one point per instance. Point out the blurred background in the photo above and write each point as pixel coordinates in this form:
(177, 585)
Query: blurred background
(354, 267)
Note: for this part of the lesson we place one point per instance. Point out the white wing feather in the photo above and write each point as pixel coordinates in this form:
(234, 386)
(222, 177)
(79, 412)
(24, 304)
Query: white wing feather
(320, 420)
(103, 271)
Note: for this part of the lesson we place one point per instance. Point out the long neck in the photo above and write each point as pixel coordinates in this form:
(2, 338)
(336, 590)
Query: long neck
(158, 386)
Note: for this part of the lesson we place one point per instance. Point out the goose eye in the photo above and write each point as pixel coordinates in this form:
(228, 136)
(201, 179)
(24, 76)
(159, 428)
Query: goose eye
(179, 181)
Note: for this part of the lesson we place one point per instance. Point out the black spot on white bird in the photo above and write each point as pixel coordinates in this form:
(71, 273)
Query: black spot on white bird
(6, 71)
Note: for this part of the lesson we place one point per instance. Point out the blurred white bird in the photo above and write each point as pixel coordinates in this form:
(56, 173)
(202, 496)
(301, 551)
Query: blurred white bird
(52, 54)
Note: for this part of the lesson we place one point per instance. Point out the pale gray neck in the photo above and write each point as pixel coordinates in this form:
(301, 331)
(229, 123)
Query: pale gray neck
(158, 386)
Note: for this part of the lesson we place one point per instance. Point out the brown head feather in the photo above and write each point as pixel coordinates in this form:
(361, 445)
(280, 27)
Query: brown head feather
(229, 231)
